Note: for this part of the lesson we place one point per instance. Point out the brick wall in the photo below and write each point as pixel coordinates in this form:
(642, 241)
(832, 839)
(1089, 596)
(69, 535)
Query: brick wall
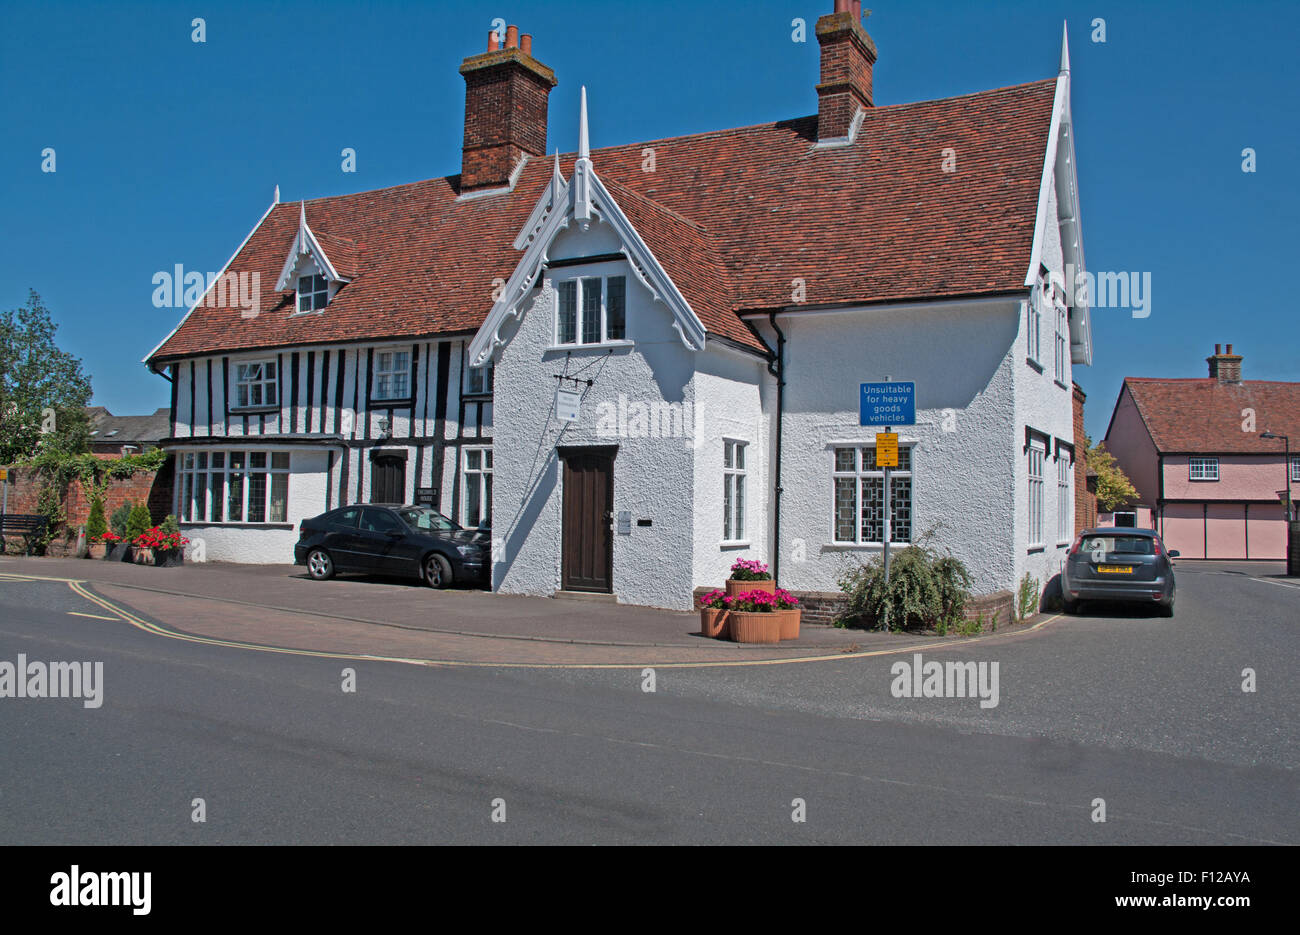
(155, 489)
(820, 608)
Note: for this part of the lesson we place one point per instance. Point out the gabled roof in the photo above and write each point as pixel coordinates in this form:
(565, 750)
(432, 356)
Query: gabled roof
(734, 215)
(1202, 414)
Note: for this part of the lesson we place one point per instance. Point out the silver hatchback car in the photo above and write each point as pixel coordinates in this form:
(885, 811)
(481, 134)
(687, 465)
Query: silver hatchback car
(1119, 564)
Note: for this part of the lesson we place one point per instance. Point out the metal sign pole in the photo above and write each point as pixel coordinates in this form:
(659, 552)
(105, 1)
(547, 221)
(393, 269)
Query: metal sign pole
(888, 531)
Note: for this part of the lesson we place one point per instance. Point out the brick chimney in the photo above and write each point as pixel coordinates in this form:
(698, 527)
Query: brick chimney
(1224, 367)
(847, 56)
(506, 95)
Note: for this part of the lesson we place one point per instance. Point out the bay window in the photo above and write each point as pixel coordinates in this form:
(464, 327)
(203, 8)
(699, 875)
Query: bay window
(233, 486)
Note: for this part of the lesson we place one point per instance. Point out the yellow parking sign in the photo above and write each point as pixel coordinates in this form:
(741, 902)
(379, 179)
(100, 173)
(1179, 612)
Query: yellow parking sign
(4, 473)
(886, 449)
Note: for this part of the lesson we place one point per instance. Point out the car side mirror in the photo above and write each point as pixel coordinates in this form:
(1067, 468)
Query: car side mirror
(1174, 553)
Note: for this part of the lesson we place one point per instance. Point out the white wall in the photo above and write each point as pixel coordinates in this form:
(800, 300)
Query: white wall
(959, 356)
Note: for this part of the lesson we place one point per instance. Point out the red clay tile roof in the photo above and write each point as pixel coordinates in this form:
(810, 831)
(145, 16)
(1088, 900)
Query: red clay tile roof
(1203, 414)
(343, 253)
(738, 214)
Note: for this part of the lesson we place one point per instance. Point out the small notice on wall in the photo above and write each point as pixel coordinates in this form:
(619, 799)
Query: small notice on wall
(568, 405)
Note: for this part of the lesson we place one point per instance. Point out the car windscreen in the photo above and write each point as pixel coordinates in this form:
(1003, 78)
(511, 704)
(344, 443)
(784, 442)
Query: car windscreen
(1118, 545)
(427, 520)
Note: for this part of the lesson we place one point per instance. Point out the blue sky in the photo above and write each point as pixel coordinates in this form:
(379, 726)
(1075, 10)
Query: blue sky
(168, 150)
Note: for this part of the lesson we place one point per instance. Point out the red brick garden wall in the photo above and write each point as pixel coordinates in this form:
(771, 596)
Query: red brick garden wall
(155, 489)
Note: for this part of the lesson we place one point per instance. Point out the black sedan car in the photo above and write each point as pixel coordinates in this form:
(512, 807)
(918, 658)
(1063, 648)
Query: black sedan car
(382, 539)
(1119, 564)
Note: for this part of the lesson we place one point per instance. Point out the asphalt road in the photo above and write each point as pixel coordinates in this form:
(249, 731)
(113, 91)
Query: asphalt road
(1145, 713)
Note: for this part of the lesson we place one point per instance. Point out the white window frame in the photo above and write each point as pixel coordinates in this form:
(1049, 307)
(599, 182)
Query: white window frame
(1295, 469)
(198, 470)
(858, 474)
(262, 381)
(1035, 456)
(1064, 499)
(484, 472)
(316, 294)
(1203, 468)
(380, 371)
(1062, 328)
(581, 313)
(734, 500)
(480, 381)
(1037, 299)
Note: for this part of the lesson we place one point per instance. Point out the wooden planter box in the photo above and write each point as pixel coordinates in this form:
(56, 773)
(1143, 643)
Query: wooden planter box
(171, 558)
(754, 627)
(735, 587)
(713, 622)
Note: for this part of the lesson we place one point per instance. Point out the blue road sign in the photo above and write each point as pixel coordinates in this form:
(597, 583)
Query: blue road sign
(891, 403)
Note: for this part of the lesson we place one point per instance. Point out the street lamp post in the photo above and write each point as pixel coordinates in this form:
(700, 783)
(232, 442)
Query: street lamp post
(1292, 553)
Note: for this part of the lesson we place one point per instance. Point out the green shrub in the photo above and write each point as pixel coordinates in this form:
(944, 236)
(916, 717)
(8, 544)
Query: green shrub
(925, 589)
(120, 518)
(169, 526)
(96, 525)
(139, 521)
(1027, 597)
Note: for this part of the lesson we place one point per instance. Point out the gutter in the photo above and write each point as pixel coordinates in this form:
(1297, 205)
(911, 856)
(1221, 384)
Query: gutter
(776, 367)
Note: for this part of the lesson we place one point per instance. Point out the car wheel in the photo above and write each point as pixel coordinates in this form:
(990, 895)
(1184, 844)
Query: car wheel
(1070, 607)
(319, 565)
(1167, 610)
(437, 571)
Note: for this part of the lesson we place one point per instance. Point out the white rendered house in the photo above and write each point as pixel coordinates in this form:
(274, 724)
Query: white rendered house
(642, 362)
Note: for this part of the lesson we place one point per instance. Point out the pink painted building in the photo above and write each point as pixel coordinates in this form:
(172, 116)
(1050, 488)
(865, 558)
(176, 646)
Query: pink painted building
(1205, 476)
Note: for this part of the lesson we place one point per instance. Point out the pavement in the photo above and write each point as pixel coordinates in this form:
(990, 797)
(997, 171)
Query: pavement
(280, 607)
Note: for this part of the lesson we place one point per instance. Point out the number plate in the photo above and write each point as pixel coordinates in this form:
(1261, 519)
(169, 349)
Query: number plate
(1115, 569)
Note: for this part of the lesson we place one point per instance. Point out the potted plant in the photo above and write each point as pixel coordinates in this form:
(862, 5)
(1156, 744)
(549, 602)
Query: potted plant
(164, 543)
(138, 525)
(749, 575)
(96, 527)
(714, 612)
(118, 547)
(762, 617)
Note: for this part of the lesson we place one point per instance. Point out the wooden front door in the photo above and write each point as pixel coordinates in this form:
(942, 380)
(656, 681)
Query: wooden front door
(388, 479)
(588, 535)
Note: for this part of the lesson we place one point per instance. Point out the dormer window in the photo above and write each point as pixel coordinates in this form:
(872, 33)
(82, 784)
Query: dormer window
(592, 310)
(313, 293)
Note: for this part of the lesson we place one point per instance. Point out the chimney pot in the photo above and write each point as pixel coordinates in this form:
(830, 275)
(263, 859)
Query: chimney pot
(857, 10)
(492, 40)
(841, 6)
(526, 44)
(1218, 348)
(512, 37)
(1229, 348)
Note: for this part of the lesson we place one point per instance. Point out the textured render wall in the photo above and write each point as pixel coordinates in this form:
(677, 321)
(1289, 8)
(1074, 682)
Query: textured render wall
(1183, 528)
(652, 476)
(1130, 443)
(1241, 477)
(729, 404)
(960, 357)
(1042, 401)
(270, 544)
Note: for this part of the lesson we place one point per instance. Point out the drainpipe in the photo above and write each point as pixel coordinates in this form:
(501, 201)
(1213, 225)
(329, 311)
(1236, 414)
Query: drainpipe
(776, 367)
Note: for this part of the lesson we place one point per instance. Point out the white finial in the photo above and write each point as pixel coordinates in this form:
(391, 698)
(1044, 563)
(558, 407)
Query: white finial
(556, 179)
(1065, 48)
(584, 150)
(277, 194)
(302, 226)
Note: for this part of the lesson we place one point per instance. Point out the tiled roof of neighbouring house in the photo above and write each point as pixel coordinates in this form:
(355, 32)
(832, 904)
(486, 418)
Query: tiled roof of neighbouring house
(107, 428)
(735, 217)
(1204, 414)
